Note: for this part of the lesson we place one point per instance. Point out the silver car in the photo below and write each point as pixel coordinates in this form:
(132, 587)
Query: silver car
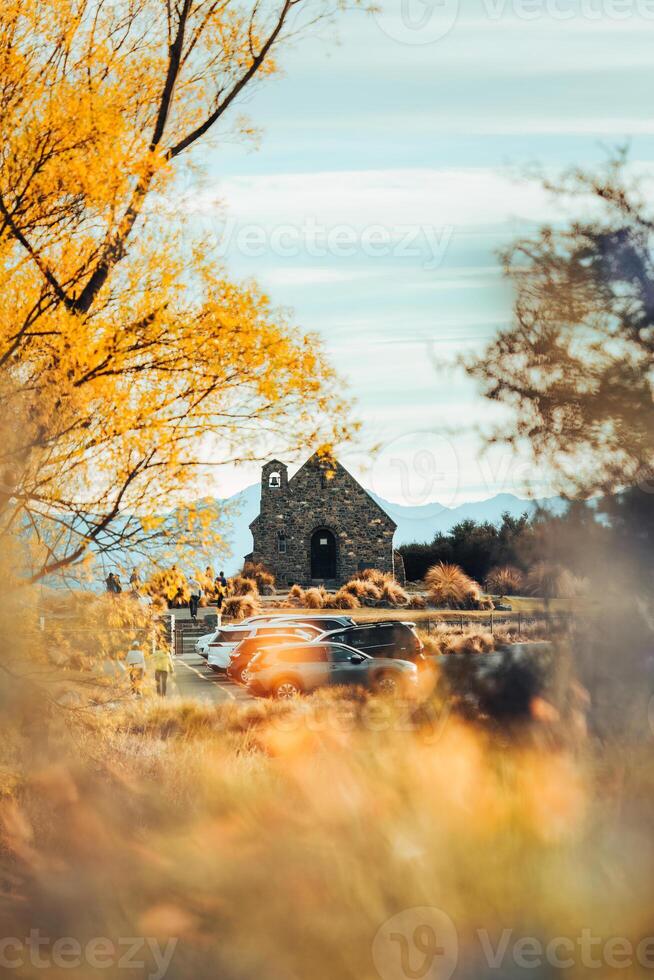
(293, 669)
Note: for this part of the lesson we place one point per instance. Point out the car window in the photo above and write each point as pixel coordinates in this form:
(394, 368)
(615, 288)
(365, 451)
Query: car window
(303, 655)
(383, 635)
(360, 637)
(341, 654)
(230, 636)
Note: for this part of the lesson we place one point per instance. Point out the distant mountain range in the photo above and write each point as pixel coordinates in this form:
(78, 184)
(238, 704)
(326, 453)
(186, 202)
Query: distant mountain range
(413, 523)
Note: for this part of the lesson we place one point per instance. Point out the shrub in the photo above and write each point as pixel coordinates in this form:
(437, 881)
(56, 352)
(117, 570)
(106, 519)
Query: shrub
(363, 589)
(240, 585)
(543, 579)
(255, 570)
(505, 580)
(449, 586)
(417, 602)
(393, 593)
(314, 598)
(375, 576)
(241, 606)
(342, 600)
(472, 642)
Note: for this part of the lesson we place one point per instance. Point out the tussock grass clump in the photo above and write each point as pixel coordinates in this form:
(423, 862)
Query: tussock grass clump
(449, 586)
(264, 579)
(315, 598)
(241, 606)
(393, 593)
(372, 587)
(363, 589)
(240, 585)
(445, 641)
(505, 580)
(342, 600)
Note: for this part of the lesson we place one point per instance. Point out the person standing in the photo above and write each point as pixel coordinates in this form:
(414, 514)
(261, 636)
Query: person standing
(194, 601)
(134, 581)
(220, 591)
(163, 666)
(135, 662)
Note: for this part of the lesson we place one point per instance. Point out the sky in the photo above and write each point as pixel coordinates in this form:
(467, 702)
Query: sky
(393, 162)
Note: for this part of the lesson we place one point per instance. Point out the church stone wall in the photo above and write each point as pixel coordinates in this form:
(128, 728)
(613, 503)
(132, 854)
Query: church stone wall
(319, 498)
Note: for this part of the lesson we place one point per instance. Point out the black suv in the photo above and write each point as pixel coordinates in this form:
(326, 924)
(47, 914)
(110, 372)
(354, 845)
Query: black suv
(391, 639)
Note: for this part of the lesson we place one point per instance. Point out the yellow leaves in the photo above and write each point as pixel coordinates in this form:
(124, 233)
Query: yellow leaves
(132, 364)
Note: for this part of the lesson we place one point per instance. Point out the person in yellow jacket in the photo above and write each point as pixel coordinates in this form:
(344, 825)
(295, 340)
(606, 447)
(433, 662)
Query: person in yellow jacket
(163, 665)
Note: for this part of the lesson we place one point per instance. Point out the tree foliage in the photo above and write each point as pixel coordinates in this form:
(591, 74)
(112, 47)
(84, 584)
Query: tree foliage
(129, 362)
(576, 365)
(476, 547)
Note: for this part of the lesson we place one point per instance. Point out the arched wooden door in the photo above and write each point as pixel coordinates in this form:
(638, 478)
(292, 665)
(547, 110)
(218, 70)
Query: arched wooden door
(323, 554)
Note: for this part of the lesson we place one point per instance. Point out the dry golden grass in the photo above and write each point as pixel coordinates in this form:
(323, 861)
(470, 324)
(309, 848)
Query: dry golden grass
(342, 600)
(257, 571)
(505, 580)
(449, 586)
(188, 821)
(240, 607)
(241, 585)
(363, 588)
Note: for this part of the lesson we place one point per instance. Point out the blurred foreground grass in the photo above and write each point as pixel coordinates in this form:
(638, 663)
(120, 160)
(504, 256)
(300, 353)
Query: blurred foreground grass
(310, 840)
(275, 839)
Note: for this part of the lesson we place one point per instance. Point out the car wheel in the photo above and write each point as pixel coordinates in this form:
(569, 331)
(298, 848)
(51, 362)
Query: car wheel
(286, 689)
(386, 684)
(243, 676)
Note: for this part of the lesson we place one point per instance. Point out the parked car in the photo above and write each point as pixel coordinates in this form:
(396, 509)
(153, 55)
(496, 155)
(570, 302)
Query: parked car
(293, 669)
(388, 638)
(325, 621)
(229, 638)
(202, 643)
(266, 637)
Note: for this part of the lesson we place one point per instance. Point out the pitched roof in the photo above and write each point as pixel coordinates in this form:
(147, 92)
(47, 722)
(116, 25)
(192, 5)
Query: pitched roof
(316, 459)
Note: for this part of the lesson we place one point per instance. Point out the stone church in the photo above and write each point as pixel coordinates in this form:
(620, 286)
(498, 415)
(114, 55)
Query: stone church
(320, 526)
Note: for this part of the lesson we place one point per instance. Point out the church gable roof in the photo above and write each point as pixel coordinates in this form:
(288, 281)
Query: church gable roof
(317, 461)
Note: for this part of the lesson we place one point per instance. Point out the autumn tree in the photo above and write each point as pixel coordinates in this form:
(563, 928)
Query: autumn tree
(576, 369)
(129, 362)
(576, 365)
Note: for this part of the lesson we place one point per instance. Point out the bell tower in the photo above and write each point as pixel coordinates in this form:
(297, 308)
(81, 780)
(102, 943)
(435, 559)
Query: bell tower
(274, 481)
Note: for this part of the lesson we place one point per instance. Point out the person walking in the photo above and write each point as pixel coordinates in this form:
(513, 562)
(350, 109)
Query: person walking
(163, 666)
(135, 663)
(194, 601)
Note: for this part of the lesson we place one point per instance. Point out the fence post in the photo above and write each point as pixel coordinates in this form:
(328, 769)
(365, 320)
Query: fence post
(491, 623)
(461, 618)
(520, 623)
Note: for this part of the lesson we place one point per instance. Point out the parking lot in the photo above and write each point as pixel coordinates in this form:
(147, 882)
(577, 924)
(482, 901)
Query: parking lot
(193, 679)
